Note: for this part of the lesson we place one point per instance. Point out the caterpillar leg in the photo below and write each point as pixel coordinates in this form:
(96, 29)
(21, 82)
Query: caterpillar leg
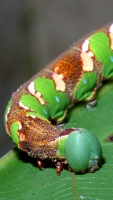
(40, 165)
(59, 166)
(91, 104)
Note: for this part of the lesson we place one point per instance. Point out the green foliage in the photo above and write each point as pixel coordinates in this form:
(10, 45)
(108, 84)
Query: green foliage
(20, 179)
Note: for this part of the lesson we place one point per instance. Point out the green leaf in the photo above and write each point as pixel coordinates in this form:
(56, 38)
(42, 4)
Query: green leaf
(20, 179)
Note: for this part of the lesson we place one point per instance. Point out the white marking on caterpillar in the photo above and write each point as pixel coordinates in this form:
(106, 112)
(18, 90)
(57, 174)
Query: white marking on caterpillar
(111, 36)
(56, 69)
(38, 95)
(31, 88)
(90, 54)
(19, 88)
(22, 137)
(20, 126)
(22, 106)
(85, 46)
(60, 84)
(111, 29)
(87, 62)
(32, 116)
(6, 116)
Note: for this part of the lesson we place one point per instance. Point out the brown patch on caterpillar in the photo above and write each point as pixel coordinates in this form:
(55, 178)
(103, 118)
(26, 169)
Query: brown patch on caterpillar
(69, 65)
(37, 136)
(39, 150)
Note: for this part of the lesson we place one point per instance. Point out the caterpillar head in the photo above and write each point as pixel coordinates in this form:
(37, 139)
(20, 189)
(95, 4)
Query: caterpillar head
(83, 151)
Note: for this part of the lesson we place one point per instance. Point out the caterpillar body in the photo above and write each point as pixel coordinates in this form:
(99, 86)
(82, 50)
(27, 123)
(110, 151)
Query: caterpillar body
(42, 102)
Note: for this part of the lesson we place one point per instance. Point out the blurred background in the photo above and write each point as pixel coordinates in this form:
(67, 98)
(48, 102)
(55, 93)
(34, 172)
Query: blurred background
(32, 33)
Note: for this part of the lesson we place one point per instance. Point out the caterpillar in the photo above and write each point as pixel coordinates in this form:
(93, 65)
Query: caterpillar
(40, 104)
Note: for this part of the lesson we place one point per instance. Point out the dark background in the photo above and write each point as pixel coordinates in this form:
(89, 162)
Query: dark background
(32, 33)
